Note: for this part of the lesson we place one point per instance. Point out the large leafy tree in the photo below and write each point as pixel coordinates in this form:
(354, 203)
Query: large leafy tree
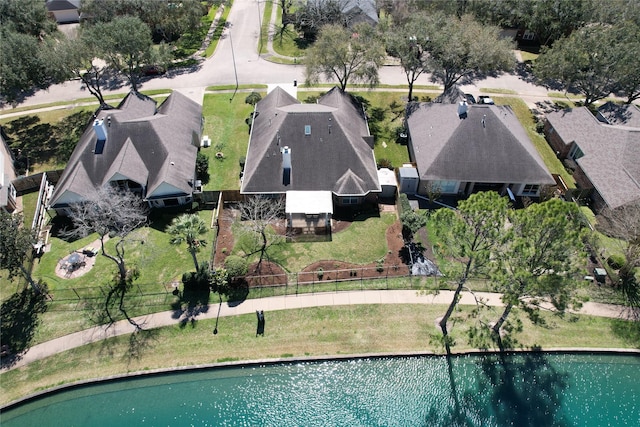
(112, 214)
(539, 258)
(409, 43)
(469, 236)
(554, 19)
(188, 228)
(16, 243)
(586, 61)
(27, 38)
(79, 57)
(311, 15)
(627, 65)
(462, 48)
(125, 44)
(346, 55)
(166, 19)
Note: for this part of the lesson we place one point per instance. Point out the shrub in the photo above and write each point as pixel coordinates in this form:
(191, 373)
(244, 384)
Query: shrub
(195, 281)
(616, 261)
(405, 206)
(202, 168)
(385, 163)
(236, 265)
(253, 98)
(320, 273)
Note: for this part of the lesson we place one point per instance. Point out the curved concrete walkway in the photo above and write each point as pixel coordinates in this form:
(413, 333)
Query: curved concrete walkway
(169, 318)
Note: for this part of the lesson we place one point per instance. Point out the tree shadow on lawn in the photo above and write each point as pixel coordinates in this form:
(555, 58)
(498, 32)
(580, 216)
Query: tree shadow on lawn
(20, 317)
(627, 330)
(190, 304)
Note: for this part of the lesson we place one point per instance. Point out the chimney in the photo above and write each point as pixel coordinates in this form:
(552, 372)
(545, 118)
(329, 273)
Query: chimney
(100, 129)
(286, 165)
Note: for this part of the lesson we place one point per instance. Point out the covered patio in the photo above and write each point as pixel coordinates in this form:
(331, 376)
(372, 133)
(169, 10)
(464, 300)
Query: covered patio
(309, 213)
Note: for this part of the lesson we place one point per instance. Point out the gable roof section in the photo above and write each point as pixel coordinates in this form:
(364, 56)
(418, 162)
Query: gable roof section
(623, 115)
(611, 158)
(447, 147)
(335, 156)
(142, 143)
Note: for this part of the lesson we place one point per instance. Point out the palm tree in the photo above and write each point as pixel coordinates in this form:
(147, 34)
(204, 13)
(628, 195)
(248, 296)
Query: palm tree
(187, 228)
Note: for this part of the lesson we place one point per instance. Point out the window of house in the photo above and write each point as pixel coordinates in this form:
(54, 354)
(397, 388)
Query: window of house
(530, 189)
(350, 200)
(445, 186)
(171, 202)
(575, 153)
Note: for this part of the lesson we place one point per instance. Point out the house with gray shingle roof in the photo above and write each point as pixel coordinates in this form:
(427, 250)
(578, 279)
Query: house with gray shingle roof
(296, 149)
(604, 151)
(138, 146)
(64, 11)
(460, 149)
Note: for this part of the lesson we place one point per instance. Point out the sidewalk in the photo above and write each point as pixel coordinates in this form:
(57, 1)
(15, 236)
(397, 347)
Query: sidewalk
(167, 318)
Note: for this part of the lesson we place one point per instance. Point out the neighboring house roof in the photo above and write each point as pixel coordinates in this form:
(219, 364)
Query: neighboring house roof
(623, 115)
(488, 146)
(361, 11)
(336, 155)
(611, 157)
(57, 5)
(155, 147)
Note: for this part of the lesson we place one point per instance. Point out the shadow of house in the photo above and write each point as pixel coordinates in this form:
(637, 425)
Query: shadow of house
(604, 152)
(319, 155)
(460, 149)
(137, 146)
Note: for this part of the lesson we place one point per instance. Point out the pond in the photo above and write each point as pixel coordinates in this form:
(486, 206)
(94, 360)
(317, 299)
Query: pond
(525, 389)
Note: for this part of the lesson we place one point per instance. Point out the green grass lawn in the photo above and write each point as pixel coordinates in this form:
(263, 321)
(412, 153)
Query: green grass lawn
(218, 30)
(550, 159)
(225, 125)
(362, 242)
(321, 331)
(286, 42)
(158, 262)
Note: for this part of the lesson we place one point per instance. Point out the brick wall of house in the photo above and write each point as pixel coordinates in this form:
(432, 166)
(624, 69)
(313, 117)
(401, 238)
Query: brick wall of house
(554, 140)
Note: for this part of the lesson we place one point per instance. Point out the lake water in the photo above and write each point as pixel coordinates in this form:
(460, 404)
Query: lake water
(474, 390)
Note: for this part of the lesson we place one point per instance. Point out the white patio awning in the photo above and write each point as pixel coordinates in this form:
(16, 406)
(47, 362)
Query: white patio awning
(309, 202)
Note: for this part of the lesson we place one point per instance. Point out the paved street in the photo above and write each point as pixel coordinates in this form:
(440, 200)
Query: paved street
(240, 41)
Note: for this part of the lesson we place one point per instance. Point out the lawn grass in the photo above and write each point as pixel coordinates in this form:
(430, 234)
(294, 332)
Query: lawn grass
(225, 125)
(528, 56)
(493, 90)
(565, 95)
(264, 28)
(525, 117)
(159, 264)
(321, 331)
(287, 42)
(222, 23)
(361, 243)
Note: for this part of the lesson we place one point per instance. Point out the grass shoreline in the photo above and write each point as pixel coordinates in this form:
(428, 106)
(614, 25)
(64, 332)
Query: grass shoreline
(318, 332)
